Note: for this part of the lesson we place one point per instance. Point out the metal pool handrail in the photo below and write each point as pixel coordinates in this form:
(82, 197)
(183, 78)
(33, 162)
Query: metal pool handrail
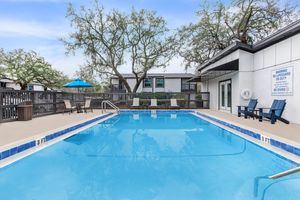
(107, 102)
(285, 173)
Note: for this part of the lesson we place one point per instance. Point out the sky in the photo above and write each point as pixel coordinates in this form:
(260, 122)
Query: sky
(38, 24)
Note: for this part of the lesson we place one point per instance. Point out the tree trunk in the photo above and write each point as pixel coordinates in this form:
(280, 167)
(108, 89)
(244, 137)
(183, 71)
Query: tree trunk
(243, 38)
(138, 82)
(23, 86)
(136, 86)
(124, 81)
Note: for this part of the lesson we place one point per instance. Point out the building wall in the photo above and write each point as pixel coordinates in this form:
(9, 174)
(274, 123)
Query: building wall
(283, 54)
(245, 77)
(114, 81)
(13, 86)
(255, 73)
(212, 86)
(233, 56)
(171, 85)
(38, 88)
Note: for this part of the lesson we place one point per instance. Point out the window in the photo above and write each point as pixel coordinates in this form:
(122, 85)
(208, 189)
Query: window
(159, 82)
(30, 87)
(187, 86)
(2, 85)
(148, 83)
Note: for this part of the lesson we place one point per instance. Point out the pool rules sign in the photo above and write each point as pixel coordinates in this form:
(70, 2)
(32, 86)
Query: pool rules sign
(282, 81)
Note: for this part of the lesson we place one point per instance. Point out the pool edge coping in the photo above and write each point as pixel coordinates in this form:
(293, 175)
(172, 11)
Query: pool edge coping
(242, 132)
(30, 145)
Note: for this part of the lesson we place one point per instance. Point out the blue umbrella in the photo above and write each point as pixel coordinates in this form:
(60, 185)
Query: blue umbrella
(78, 83)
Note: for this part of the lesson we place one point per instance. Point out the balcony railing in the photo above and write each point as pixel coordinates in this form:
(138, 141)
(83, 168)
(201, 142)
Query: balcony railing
(188, 87)
(117, 88)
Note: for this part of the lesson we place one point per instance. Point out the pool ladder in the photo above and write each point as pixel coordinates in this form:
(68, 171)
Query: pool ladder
(107, 102)
(285, 173)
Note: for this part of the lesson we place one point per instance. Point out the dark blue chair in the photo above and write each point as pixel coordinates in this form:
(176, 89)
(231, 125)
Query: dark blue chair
(275, 112)
(248, 110)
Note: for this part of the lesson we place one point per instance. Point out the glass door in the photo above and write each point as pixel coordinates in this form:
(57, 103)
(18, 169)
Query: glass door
(225, 95)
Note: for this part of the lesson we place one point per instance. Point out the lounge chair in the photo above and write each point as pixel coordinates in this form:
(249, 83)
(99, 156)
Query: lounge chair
(248, 110)
(153, 103)
(275, 112)
(87, 105)
(68, 107)
(135, 103)
(174, 103)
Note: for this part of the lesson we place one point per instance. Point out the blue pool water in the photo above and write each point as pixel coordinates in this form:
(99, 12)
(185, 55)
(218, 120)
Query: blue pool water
(143, 156)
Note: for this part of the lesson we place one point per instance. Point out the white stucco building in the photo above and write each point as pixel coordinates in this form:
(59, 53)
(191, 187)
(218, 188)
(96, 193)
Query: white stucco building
(156, 82)
(267, 70)
(6, 83)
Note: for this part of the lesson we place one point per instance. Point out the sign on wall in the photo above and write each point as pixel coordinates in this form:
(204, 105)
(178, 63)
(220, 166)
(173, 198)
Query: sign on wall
(283, 81)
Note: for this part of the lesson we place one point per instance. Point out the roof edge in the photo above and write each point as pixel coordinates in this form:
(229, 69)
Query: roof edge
(278, 36)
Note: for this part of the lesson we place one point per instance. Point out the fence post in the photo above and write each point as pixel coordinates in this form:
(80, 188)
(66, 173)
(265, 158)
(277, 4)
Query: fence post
(1, 105)
(54, 102)
(189, 99)
(32, 97)
(208, 100)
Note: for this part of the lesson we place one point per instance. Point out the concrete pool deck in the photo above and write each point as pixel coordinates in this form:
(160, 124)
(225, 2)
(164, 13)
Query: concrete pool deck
(16, 132)
(289, 133)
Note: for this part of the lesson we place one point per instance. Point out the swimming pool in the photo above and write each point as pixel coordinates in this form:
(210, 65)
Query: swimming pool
(143, 155)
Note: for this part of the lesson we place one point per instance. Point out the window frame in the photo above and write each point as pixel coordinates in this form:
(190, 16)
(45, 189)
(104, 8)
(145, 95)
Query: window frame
(144, 82)
(163, 83)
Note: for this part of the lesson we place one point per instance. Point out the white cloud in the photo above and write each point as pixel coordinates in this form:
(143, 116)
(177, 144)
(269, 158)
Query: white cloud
(14, 28)
(55, 55)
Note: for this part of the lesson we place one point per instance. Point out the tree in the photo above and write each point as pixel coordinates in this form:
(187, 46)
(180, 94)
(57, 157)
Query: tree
(87, 74)
(52, 78)
(107, 39)
(149, 45)
(27, 67)
(247, 21)
(202, 40)
(255, 19)
(2, 71)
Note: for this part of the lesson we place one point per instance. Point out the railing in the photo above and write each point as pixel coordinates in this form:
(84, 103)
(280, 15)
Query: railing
(107, 102)
(285, 173)
(188, 87)
(50, 102)
(117, 88)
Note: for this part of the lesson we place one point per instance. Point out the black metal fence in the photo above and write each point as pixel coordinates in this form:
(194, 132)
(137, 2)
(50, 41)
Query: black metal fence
(50, 102)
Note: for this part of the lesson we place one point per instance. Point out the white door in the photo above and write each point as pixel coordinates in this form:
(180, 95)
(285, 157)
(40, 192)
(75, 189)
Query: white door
(225, 95)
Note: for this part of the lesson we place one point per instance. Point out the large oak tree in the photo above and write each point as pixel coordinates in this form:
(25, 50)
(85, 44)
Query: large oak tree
(109, 40)
(247, 21)
(27, 67)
